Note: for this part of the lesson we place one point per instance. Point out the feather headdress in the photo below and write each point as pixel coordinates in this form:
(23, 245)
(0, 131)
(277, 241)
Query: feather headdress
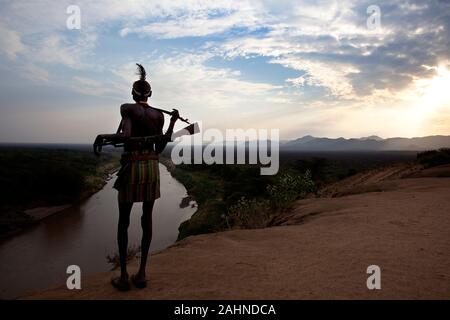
(142, 88)
(141, 72)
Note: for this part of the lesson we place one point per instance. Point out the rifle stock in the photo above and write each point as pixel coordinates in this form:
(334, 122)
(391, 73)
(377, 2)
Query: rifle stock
(187, 131)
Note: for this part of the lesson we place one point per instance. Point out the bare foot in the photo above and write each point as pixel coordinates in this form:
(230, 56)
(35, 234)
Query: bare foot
(121, 283)
(139, 280)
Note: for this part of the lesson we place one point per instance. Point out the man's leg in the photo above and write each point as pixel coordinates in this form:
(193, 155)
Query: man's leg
(146, 223)
(122, 236)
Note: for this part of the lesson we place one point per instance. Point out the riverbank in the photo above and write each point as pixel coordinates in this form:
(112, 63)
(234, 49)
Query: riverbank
(320, 249)
(207, 191)
(41, 182)
(96, 182)
(85, 235)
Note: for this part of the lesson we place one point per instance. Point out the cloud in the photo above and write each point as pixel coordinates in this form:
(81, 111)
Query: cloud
(333, 45)
(183, 79)
(34, 73)
(10, 43)
(335, 63)
(322, 35)
(329, 75)
(92, 87)
(195, 25)
(56, 49)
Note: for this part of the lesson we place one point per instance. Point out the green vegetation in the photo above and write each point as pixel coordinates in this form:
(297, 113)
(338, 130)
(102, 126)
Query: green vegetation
(237, 196)
(279, 196)
(32, 177)
(288, 188)
(434, 157)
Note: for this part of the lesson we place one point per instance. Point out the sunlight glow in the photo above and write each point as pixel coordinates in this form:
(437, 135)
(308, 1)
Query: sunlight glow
(433, 98)
(435, 92)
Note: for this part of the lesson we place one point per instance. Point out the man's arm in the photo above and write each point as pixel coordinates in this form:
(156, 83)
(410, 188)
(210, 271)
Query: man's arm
(117, 137)
(162, 143)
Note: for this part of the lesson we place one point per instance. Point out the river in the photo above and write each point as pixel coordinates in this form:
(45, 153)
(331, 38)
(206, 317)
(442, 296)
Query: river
(84, 235)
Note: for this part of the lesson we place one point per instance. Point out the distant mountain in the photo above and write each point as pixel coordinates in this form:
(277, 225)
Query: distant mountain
(377, 138)
(371, 143)
(303, 140)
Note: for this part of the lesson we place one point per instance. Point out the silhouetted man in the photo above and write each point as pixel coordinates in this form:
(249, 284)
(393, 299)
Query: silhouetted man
(138, 178)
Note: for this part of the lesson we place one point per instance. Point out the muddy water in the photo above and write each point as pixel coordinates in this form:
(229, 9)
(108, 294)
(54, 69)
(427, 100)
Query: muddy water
(84, 235)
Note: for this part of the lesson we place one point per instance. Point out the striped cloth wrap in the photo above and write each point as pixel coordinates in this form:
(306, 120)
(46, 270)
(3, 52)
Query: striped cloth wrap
(138, 179)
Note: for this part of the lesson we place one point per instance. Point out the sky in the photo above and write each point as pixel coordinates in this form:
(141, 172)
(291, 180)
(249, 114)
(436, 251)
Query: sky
(324, 68)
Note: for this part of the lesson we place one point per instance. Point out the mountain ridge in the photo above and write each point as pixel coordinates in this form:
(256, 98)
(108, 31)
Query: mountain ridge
(370, 143)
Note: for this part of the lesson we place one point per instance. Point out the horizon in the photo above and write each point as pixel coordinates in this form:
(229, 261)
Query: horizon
(328, 69)
(3, 143)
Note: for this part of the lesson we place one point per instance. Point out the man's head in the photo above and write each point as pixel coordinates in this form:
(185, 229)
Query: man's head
(141, 88)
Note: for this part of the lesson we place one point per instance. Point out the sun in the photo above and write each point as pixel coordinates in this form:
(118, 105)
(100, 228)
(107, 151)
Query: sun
(435, 92)
(430, 103)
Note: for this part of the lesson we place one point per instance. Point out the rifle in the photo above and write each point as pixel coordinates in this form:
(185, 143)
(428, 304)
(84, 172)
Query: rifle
(100, 141)
(170, 113)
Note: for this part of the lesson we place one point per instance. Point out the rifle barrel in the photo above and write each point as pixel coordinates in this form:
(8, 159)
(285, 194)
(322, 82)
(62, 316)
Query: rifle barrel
(171, 113)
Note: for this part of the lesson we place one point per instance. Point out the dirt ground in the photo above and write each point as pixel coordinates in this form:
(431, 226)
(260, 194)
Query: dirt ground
(319, 250)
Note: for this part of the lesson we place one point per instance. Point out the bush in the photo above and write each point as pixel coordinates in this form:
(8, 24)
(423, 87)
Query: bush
(289, 188)
(256, 212)
(249, 213)
(434, 157)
